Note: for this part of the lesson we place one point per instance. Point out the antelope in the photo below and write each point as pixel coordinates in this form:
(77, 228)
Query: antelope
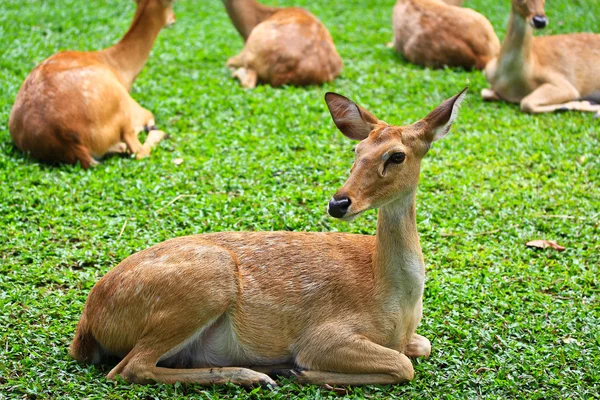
(434, 34)
(547, 73)
(282, 46)
(333, 308)
(75, 106)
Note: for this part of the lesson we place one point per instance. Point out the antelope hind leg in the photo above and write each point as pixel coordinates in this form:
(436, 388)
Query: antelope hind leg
(583, 105)
(136, 147)
(248, 77)
(201, 376)
(118, 148)
(550, 97)
(284, 370)
(236, 62)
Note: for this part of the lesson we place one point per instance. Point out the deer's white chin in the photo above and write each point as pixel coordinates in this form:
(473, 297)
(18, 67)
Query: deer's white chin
(351, 217)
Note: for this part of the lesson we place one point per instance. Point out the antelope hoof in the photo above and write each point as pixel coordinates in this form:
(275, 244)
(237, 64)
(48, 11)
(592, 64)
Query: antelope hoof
(488, 95)
(118, 148)
(563, 109)
(267, 383)
(156, 135)
(247, 78)
(142, 154)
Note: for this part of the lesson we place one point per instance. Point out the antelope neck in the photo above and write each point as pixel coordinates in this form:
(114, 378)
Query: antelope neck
(129, 56)
(398, 262)
(516, 48)
(246, 14)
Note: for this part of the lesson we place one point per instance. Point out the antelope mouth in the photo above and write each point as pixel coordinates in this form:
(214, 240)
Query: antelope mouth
(350, 217)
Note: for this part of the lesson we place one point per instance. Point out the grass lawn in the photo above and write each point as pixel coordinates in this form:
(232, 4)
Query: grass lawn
(505, 321)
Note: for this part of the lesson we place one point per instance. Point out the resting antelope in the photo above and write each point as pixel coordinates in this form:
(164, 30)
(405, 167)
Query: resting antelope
(282, 46)
(340, 308)
(434, 34)
(545, 73)
(75, 106)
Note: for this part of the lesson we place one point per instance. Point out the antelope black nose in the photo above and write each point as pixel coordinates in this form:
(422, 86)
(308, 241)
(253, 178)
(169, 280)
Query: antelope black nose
(338, 207)
(540, 21)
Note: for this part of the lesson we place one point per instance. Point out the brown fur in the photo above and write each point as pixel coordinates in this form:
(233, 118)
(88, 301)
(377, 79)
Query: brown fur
(546, 73)
(283, 46)
(434, 34)
(343, 308)
(75, 106)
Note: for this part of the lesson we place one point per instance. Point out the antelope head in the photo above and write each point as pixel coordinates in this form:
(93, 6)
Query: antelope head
(164, 8)
(388, 158)
(532, 11)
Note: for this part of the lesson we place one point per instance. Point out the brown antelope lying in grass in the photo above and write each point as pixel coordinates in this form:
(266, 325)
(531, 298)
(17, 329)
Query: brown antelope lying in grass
(434, 34)
(340, 308)
(283, 46)
(75, 106)
(546, 73)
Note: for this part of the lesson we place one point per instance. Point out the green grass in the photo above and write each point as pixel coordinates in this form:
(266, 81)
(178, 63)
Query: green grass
(269, 159)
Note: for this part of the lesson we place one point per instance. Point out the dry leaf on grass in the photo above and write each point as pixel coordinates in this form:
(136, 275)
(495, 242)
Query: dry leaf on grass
(543, 244)
(178, 161)
(568, 340)
(340, 391)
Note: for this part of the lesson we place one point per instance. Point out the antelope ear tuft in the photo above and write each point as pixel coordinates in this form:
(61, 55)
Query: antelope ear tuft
(440, 120)
(352, 120)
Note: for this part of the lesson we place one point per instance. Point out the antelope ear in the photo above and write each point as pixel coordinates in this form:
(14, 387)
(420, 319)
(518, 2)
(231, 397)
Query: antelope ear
(352, 120)
(440, 120)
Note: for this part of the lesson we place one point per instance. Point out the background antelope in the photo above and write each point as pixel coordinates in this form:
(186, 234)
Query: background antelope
(75, 106)
(434, 34)
(282, 46)
(546, 73)
(341, 308)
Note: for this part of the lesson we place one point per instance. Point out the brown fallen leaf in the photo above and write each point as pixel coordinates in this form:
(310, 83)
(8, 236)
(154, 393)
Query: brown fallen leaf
(483, 369)
(568, 340)
(542, 244)
(340, 391)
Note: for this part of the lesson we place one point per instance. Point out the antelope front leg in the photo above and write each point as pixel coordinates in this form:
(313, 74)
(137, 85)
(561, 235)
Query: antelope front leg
(353, 361)
(236, 62)
(489, 95)
(552, 97)
(418, 346)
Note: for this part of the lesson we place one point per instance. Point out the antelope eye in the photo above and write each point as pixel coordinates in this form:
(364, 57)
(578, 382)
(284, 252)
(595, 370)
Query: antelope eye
(397, 158)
